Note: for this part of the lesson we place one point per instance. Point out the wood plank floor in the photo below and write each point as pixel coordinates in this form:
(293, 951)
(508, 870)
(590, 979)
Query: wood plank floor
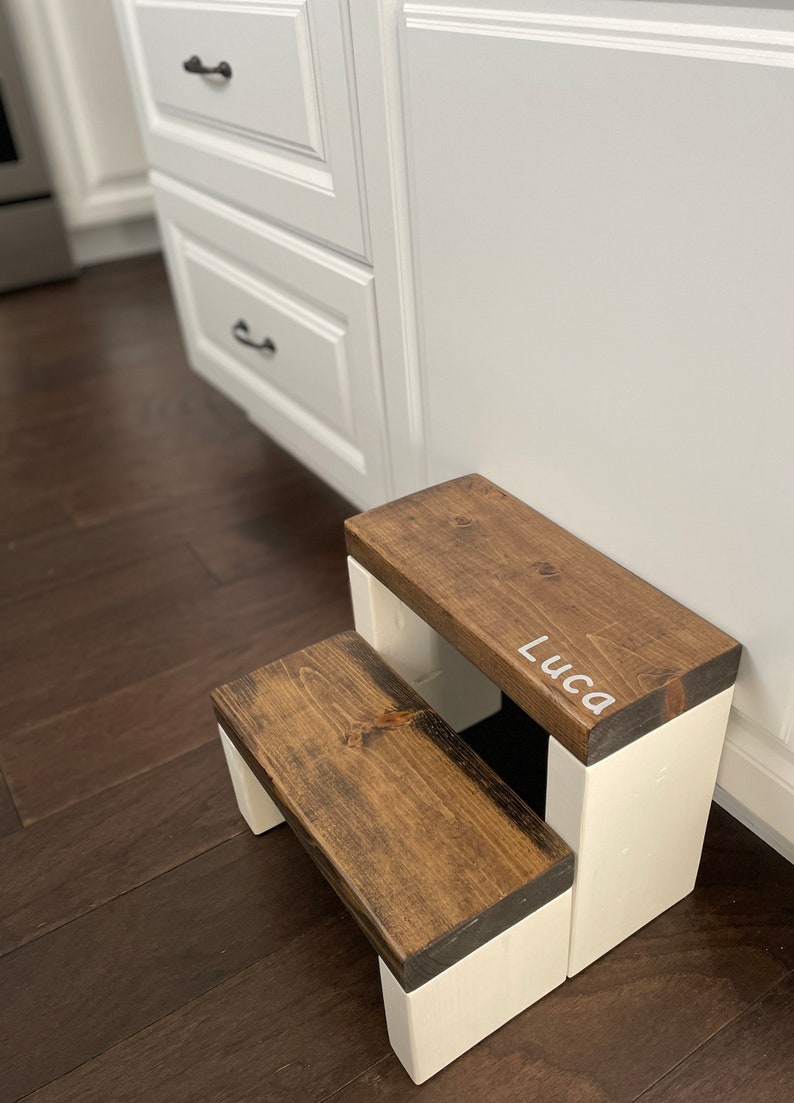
(154, 546)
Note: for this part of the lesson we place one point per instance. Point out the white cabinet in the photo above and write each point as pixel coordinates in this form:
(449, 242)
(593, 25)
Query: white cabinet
(285, 328)
(249, 113)
(273, 130)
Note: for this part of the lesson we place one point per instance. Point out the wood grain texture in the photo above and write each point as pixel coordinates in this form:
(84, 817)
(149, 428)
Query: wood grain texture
(151, 581)
(27, 509)
(294, 1028)
(490, 574)
(77, 860)
(429, 850)
(149, 952)
(154, 621)
(141, 726)
(753, 1055)
(238, 526)
(9, 816)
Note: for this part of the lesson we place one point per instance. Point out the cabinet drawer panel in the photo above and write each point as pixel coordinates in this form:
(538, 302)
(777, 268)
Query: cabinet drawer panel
(271, 94)
(274, 132)
(313, 382)
(308, 360)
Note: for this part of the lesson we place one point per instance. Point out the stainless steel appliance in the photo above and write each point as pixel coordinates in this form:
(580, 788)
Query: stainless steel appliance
(33, 247)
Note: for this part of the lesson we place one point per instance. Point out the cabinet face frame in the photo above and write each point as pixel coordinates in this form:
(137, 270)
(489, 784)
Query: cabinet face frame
(306, 173)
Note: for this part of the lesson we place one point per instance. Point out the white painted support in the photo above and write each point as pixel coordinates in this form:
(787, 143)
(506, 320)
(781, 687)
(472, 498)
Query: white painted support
(449, 683)
(256, 807)
(636, 823)
(431, 1026)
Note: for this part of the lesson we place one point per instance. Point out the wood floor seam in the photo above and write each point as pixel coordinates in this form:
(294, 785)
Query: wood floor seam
(4, 954)
(88, 704)
(210, 738)
(99, 575)
(366, 1072)
(34, 591)
(227, 832)
(646, 1092)
(187, 1004)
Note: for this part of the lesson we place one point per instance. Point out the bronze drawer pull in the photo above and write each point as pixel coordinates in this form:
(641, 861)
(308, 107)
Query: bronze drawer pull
(196, 65)
(240, 333)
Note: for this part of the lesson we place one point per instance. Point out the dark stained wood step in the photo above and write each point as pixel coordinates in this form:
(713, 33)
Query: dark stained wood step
(492, 575)
(430, 851)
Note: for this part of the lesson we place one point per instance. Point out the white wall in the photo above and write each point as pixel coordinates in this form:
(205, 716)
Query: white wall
(603, 235)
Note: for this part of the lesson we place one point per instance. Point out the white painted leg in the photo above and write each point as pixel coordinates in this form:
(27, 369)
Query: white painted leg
(636, 823)
(431, 1026)
(256, 807)
(449, 683)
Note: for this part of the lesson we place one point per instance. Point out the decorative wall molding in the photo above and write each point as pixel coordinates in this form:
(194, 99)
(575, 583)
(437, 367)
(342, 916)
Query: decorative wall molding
(756, 782)
(736, 44)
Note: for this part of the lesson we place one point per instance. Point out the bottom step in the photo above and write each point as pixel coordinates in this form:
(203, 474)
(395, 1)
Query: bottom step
(463, 891)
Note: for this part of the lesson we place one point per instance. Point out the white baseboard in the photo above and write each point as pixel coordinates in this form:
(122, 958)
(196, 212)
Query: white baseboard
(755, 783)
(114, 241)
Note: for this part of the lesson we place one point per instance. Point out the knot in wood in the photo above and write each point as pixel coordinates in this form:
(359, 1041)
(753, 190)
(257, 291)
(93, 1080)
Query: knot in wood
(360, 734)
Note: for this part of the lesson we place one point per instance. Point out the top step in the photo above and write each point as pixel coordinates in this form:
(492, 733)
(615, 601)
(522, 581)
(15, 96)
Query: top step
(431, 852)
(594, 654)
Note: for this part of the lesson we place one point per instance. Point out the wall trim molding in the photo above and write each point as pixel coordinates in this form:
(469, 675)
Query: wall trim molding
(778, 842)
(756, 783)
(753, 46)
(116, 241)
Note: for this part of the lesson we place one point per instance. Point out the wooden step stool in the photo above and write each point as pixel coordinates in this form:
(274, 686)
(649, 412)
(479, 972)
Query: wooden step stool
(463, 891)
(466, 591)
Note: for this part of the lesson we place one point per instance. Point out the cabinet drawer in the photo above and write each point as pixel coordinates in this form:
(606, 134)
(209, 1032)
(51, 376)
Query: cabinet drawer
(274, 130)
(286, 329)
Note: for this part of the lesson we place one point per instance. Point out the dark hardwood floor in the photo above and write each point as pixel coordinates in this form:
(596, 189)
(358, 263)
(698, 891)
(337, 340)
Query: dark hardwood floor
(156, 545)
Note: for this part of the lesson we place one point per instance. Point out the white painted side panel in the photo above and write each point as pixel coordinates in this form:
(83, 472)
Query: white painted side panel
(636, 823)
(449, 683)
(84, 102)
(436, 1023)
(256, 807)
(602, 229)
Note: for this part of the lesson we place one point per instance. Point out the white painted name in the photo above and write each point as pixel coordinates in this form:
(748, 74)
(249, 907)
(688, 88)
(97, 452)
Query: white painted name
(594, 702)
